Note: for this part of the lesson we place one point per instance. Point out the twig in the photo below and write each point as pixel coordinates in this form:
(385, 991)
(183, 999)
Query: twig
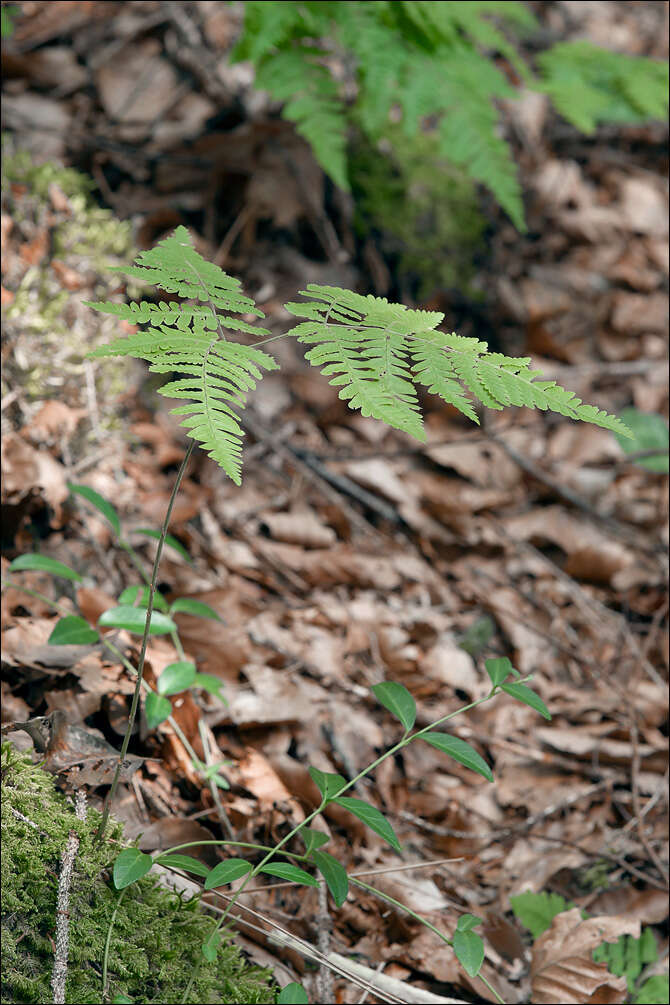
(325, 989)
(59, 975)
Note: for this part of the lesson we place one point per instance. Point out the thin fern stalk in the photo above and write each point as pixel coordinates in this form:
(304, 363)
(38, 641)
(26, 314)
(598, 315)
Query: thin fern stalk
(145, 641)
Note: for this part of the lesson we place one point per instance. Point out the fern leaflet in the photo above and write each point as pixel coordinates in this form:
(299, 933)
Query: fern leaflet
(191, 340)
(376, 352)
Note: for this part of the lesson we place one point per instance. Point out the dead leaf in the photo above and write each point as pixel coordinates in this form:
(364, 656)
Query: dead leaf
(562, 968)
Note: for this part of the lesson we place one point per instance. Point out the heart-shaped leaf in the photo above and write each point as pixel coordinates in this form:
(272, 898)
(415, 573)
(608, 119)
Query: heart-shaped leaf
(292, 994)
(210, 947)
(328, 783)
(334, 874)
(498, 669)
(100, 504)
(196, 608)
(170, 541)
(157, 709)
(469, 949)
(527, 697)
(370, 816)
(460, 751)
(227, 872)
(73, 631)
(40, 563)
(130, 866)
(131, 593)
(176, 677)
(313, 839)
(467, 922)
(185, 862)
(290, 872)
(397, 700)
(208, 682)
(134, 618)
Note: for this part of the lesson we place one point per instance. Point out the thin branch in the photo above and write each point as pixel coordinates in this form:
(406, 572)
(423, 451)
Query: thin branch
(59, 976)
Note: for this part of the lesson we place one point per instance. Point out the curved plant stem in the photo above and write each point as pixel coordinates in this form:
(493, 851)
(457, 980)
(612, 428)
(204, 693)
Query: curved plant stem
(145, 640)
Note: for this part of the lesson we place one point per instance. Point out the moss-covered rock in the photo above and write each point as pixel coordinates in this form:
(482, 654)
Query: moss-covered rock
(156, 937)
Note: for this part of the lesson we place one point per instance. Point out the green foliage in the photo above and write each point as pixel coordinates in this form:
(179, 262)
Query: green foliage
(377, 351)
(192, 340)
(7, 15)
(654, 991)
(430, 63)
(590, 85)
(156, 937)
(650, 432)
(536, 911)
(424, 208)
(627, 956)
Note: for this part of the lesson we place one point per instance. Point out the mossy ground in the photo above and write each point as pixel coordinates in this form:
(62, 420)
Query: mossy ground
(46, 324)
(157, 935)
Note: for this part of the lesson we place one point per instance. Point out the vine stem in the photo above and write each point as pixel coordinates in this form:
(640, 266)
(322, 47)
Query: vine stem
(145, 641)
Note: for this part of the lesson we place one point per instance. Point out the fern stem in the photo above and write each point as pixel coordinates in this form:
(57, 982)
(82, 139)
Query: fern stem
(145, 641)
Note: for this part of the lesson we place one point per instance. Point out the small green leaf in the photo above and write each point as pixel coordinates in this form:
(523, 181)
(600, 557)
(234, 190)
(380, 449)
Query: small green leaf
(650, 432)
(469, 949)
(131, 593)
(292, 994)
(478, 636)
(328, 783)
(397, 700)
(536, 911)
(184, 605)
(210, 947)
(130, 866)
(371, 817)
(527, 697)
(467, 922)
(208, 682)
(498, 670)
(176, 677)
(100, 504)
(289, 872)
(134, 618)
(122, 999)
(313, 839)
(654, 990)
(157, 709)
(171, 541)
(227, 872)
(334, 874)
(73, 631)
(460, 751)
(185, 862)
(40, 563)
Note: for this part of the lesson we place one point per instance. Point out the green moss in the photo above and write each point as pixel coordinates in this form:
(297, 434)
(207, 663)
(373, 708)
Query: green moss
(48, 325)
(157, 934)
(425, 209)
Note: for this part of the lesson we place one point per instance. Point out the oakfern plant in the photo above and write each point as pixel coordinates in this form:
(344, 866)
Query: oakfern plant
(377, 353)
(426, 61)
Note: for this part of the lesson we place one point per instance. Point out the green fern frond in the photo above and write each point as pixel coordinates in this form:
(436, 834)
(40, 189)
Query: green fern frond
(589, 85)
(364, 344)
(191, 340)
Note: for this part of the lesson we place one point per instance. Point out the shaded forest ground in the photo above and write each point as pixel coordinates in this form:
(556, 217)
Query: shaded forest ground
(351, 554)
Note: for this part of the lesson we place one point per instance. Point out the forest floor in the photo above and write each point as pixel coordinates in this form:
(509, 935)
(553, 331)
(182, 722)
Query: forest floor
(352, 554)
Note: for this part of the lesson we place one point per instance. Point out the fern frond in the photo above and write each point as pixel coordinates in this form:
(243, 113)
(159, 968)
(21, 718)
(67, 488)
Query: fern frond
(364, 344)
(589, 84)
(191, 340)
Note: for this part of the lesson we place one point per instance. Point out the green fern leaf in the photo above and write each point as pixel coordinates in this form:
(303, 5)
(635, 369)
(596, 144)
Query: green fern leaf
(364, 344)
(191, 340)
